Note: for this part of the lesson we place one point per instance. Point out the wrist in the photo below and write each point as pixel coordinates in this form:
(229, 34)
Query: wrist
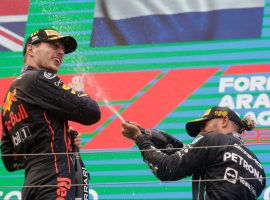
(137, 134)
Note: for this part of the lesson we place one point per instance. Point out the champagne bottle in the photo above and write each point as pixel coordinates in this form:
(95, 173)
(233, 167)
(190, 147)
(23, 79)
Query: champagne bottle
(82, 176)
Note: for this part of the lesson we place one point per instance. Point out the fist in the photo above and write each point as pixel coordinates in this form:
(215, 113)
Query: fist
(77, 83)
(77, 139)
(130, 130)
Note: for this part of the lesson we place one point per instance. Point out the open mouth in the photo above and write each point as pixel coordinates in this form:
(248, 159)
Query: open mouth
(57, 60)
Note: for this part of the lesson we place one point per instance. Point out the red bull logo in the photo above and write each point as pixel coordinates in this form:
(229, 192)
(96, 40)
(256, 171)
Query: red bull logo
(63, 185)
(15, 117)
(9, 100)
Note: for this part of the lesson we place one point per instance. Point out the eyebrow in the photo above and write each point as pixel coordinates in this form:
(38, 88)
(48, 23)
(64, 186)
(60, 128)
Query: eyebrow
(57, 43)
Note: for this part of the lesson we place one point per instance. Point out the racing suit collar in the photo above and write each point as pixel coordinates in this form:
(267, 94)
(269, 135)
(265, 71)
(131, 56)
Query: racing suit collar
(237, 136)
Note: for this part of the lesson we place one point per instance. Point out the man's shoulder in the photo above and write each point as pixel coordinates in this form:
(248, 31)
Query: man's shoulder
(46, 76)
(36, 77)
(27, 77)
(28, 73)
(217, 138)
(40, 72)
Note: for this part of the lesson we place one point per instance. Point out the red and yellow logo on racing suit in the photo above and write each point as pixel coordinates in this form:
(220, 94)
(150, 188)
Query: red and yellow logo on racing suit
(67, 87)
(9, 100)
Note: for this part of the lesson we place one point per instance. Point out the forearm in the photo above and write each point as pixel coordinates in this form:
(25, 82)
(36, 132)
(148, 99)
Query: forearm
(13, 165)
(165, 167)
(11, 161)
(86, 111)
(54, 96)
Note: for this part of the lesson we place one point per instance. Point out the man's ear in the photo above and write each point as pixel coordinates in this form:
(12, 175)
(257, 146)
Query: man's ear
(29, 49)
(225, 122)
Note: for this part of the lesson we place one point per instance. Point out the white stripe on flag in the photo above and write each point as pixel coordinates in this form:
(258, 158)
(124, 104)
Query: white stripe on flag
(122, 9)
(13, 18)
(11, 33)
(10, 44)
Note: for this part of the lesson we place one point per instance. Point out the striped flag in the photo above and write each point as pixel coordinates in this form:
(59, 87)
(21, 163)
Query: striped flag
(13, 18)
(127, 22)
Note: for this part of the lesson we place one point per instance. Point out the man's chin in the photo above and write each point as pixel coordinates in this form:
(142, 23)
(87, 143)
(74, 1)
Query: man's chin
(54, 69)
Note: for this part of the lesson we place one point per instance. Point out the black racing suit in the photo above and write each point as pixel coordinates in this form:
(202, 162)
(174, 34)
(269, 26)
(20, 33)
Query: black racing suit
(225, 172)
(35, 117)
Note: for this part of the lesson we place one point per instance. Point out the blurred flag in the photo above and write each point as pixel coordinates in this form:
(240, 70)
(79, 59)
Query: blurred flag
(13, 18)
(127, 22)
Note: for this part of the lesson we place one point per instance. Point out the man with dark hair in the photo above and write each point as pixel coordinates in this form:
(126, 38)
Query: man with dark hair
(35, 115)
(221, 166)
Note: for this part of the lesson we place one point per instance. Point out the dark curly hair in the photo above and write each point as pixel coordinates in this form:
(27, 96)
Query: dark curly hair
(247, 123)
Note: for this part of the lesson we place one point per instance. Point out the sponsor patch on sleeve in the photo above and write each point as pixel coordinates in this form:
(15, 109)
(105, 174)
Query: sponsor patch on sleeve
(49, 75)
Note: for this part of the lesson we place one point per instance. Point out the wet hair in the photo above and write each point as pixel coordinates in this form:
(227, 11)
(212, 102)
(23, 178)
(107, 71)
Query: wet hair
(247, 124)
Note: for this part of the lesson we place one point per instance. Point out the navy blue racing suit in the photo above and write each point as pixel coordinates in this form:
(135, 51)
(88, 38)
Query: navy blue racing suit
(35, 115)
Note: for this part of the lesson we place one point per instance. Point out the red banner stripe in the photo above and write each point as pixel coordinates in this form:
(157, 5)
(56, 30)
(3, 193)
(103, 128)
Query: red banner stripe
(114, 86)
(153, 106)
(248, 69)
